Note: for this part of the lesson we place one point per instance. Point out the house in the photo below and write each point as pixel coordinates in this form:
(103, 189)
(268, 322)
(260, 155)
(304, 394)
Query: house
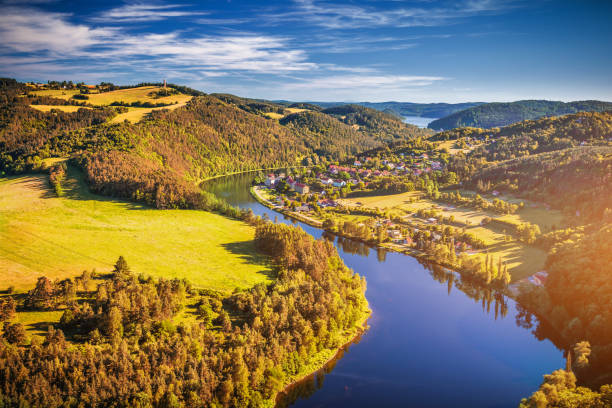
(495, 193)
(303, 208)
(301, 188)
(339, 183)
(326, 181)
(394, 234)
(271, 180)
(432, 220)
(424, 156)
(357, 163)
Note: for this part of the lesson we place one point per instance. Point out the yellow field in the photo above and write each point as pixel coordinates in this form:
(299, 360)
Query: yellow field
(57, 93)
(295, 110)
(63, 108)
(274, 115)
(137, 114)
(128, 95)
(42, 235)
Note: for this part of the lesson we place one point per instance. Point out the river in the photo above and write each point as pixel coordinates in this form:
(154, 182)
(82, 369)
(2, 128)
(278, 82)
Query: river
(432, 341)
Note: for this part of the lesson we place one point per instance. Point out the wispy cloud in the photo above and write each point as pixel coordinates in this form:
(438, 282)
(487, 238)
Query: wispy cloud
(351, 16)
(370, 81)
(32, 30)
(53, 36)
(143, 12)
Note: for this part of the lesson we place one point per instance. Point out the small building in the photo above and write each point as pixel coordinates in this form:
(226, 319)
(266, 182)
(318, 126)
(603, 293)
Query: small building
(271, 180)
(301, 188)
(339, 183)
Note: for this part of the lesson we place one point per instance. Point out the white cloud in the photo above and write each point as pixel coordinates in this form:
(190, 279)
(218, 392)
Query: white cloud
(143, 12)
(31, 30)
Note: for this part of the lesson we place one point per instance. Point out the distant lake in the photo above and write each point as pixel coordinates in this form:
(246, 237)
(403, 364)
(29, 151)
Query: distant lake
(418, 120)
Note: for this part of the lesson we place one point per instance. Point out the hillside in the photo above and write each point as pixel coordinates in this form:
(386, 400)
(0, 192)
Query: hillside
(160, 159)
(426, 110)
(383, 126)
(45, 235)
(323, 133)
(490, 115)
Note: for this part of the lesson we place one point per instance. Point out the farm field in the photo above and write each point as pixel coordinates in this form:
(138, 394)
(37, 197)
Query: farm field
(63, 108)
(41, 234)
(522, 260)
(128, 95)
(137, 114)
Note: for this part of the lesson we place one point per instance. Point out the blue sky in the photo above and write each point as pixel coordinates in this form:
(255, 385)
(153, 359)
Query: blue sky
(415, 51)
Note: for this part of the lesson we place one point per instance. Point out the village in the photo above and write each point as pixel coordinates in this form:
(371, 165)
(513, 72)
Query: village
(347, 199)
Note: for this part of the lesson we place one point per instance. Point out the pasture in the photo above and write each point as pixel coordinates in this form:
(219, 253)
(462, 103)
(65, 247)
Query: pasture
(43, 235)
(63, 108)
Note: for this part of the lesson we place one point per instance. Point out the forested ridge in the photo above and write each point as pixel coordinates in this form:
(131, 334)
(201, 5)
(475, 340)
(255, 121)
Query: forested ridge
(383, 126)
(118, 346)
(498, 114)
(160, 160)
(565, 162)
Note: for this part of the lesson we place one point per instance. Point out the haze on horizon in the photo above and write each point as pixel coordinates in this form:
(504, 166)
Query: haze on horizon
(416, 51)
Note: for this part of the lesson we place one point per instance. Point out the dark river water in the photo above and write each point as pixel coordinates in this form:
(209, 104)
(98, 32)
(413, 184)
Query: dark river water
(432, 342)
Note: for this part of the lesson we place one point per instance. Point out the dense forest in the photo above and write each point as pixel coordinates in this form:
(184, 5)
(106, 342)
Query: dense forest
(400, 109)
(323, 133)
(118, 346)
(381, 125)
(490, 115)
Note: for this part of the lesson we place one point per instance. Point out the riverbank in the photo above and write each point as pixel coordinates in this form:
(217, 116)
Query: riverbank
(324, 357)
(248, 171)
(415, 253)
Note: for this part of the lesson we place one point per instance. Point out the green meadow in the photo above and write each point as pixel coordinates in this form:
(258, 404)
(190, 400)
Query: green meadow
(58, 237)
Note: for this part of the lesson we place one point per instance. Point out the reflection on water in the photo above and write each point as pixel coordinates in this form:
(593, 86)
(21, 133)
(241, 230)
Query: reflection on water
(435, 339)
(307, 386)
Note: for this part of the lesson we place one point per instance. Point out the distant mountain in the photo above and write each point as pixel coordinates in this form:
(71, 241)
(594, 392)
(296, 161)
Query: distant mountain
(502, 114)
(401, 109)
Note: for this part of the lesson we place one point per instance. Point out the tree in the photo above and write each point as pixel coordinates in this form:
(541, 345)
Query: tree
(121, 267)
(42, 296)
(113, 325)
(7, 309)
(14, 333)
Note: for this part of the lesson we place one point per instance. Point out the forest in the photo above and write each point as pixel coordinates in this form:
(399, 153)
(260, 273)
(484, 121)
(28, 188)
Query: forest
(491, 115)
(119, 344)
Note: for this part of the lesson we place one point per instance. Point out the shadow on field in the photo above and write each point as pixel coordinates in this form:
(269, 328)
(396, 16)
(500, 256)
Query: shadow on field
(246, 251)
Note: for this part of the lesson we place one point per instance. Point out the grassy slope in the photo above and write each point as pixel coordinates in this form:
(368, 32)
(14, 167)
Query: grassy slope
(123, 95)
(66, 108)
(41, 234)
(522, 260)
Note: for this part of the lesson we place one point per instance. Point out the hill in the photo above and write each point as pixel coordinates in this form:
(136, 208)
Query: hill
(160, 160)
(383, 126)
(401, 109)
(490, 115)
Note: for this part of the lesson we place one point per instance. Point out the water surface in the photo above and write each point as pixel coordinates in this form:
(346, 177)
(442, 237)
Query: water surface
(433, 341)
(418, 120)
